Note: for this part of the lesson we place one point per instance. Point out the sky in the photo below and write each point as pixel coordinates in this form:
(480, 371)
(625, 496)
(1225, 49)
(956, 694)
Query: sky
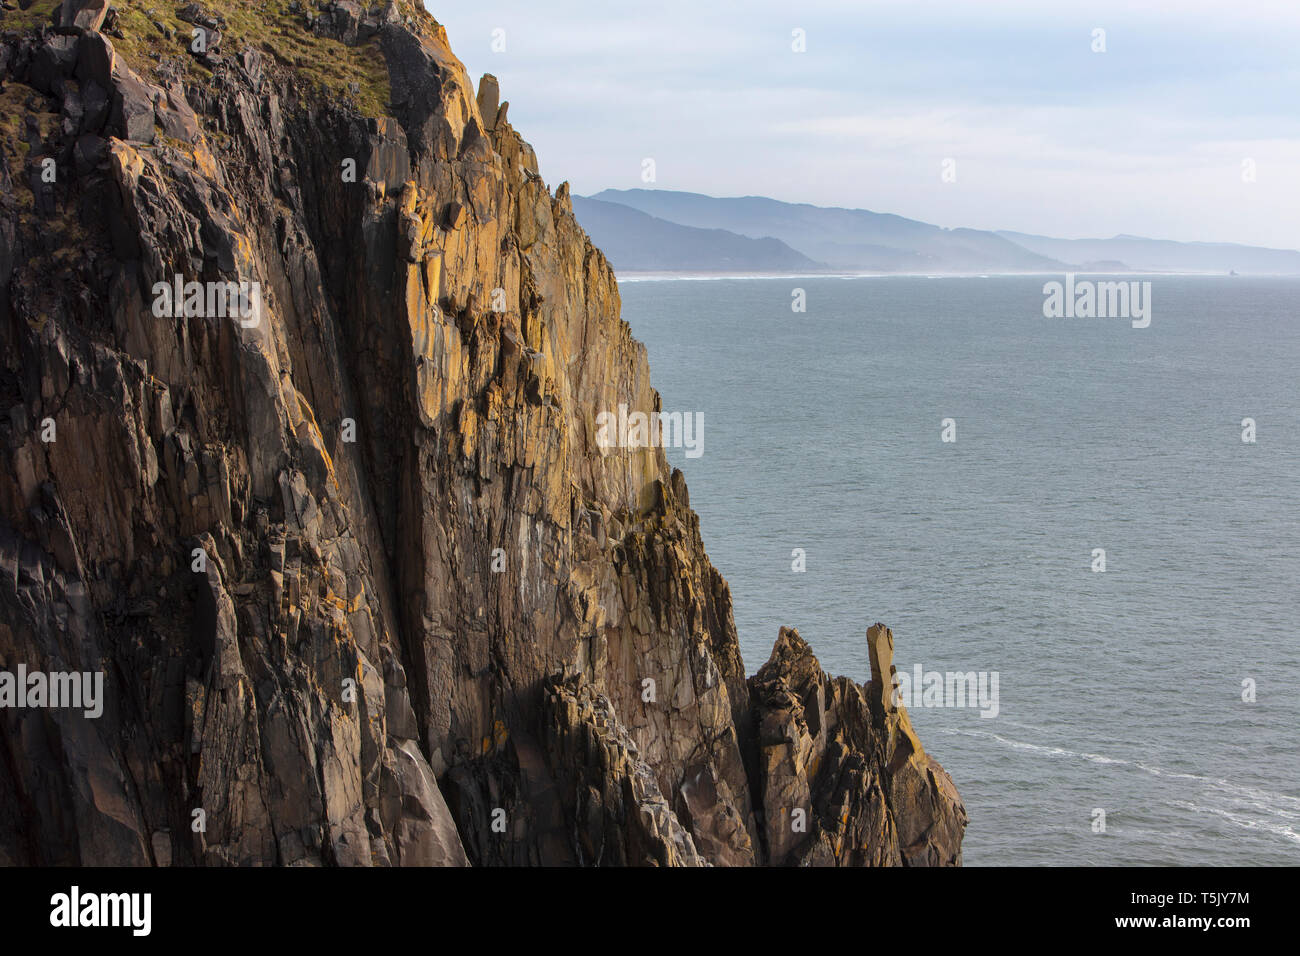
(1186, 126)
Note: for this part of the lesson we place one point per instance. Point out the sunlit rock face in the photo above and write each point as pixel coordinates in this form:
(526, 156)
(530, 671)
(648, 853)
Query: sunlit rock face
(363, 586)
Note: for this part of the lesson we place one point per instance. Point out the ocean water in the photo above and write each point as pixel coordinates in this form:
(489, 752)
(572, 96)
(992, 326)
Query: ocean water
(1119, 691)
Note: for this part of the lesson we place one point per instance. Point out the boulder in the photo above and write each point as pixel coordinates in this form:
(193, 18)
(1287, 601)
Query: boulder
(96, 60)
(83, 15)
(53, 62)
(131, 116)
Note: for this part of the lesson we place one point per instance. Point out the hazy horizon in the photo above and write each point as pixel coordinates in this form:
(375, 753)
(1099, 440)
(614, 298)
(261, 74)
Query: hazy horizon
(1097, 238)
(1182, 129)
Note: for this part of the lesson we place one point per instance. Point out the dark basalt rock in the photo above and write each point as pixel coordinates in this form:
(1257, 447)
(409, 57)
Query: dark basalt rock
(131, 116)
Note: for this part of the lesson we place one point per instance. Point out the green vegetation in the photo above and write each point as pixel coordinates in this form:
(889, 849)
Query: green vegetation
(327, 66)
(14, 147)
(39, 14)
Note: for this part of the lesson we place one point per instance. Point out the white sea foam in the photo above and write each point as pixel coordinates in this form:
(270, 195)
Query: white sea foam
(1242, 821)
(1266, 802)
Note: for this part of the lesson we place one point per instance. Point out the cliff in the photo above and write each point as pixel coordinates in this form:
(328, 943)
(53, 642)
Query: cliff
(362, 586)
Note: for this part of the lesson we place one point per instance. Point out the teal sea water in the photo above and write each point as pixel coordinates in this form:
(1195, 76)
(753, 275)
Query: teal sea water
(1118, 691)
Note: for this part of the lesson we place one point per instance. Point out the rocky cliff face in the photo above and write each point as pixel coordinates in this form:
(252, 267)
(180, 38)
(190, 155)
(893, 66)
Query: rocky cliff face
(363, 587)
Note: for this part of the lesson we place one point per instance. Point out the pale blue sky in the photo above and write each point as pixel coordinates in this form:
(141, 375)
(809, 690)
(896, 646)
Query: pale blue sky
(1148, 138)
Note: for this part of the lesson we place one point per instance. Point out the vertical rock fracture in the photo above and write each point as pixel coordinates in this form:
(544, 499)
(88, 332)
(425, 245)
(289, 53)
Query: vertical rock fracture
(363, 586)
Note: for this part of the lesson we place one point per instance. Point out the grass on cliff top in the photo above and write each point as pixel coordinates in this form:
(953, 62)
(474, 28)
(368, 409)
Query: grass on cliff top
(266, 25)
(14, 147)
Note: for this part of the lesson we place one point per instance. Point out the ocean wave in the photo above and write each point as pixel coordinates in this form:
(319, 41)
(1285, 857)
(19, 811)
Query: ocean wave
(1246, 823)
(1281, 806)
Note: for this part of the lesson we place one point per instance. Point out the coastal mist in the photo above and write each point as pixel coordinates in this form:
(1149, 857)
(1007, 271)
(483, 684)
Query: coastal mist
(1090, 521)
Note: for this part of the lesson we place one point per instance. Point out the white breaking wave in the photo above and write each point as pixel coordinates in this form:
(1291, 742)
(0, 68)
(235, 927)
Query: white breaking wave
(1255, 799)
(1244, 822)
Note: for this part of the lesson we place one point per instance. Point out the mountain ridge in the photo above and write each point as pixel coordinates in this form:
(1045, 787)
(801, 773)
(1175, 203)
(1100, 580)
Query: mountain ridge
(1142, 254)
(627, 235)
(840, 238)
(899, 244)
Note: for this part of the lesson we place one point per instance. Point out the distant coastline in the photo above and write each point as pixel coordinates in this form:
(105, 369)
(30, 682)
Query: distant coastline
(661, 232)
(638, 276)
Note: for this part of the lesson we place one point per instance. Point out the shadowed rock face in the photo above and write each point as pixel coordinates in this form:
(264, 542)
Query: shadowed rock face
(362, 585)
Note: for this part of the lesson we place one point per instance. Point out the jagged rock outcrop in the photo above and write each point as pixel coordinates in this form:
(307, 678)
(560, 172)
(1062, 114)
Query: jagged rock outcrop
(842, 760)
(299, 453)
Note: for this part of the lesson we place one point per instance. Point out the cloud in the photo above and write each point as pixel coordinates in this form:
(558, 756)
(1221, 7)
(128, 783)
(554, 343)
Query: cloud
(1050, 137)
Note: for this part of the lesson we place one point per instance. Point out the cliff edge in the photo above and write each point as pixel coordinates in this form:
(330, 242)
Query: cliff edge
(301, 368)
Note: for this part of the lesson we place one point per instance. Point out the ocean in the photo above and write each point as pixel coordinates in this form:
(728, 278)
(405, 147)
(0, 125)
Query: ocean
(1147, 713)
